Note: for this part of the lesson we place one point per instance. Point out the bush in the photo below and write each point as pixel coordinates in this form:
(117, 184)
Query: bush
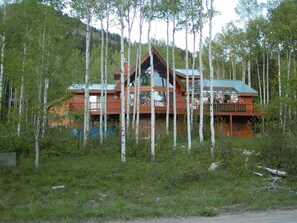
(279, 148)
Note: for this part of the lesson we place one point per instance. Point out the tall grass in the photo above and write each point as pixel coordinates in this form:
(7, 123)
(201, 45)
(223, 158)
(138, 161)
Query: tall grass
(98, 186)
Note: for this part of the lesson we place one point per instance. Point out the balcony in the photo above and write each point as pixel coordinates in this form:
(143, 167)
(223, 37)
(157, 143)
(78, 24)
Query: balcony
(160, 107)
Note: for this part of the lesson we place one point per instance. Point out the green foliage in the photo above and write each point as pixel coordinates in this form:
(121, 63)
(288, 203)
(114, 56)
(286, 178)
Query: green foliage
(98, 186)
(279, 149)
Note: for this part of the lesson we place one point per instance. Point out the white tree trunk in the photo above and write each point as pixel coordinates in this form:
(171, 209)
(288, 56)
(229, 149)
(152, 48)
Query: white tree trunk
(249, 73)
(212, 131)
(139, 74)
(21, 99)
(130, 26)
(174, 86)
(37, 124)
(138, 89)
(167, 77)
(38, 112)
(2, 59)
(259, 81)
(193, 80)
(187, 92)
(152, 85)
(135, 91)
(87, 74)
(2, 69)
(102, 83)
(201, 138)
(267, 79)
(233, 63)
(263, 79)
(123, 126)
(44, 114)
(289, 59)
(105, 74)
(243, 77)
(280, 88)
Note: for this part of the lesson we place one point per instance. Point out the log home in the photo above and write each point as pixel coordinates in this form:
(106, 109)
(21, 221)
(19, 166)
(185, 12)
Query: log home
(233, 105)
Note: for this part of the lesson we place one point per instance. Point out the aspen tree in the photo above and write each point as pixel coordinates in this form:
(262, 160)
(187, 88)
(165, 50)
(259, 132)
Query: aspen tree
(187, 85)
(152, 82)
(2, 36)
(174, 85)
(87, 74)
(102, 81)
(212, 131)
(21, 100)
(123, 124)
(129, 26)
(105, 65)
(201, 138)
(141, 19)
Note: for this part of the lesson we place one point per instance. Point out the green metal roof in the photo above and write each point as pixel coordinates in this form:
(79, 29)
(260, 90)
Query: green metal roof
(184, 72)
(74, 87)
(237, 85)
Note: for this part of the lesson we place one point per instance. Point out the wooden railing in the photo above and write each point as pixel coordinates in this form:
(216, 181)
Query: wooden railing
(145, 106)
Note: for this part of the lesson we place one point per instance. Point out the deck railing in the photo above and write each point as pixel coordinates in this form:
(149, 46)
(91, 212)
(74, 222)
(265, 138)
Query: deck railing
(114, 107)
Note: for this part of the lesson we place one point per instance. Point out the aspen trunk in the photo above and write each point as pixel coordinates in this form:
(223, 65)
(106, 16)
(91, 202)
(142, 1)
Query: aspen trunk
(174, 86)
(138, 90)
(201, 138)
(128, 77)
(267, 79)
(87, 103)
(233, 68)
(2, 69)
(289, 59)
(263, 79)
(243, 66)
(123, 124)
(102, 83)
(212, 131)
(44, 114)
(167, 77)
(2, 60)
(37, 124)
(259, 81)
(38, 112)
(249, 73)
(139, 76)
(105, 74)
(193, 80)
(152, 86)
(21, 100)
(187, 92)
(135, 91)
(130, 26)
(280, 88)
(223, 66)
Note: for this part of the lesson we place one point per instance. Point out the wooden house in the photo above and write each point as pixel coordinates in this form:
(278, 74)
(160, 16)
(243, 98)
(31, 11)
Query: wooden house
(233, 106)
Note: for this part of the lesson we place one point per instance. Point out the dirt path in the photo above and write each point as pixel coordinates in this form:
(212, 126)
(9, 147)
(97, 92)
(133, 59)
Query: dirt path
(249, 217)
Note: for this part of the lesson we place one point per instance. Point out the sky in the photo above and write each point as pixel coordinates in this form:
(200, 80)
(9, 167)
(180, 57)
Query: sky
(226, 9)
(158, 29)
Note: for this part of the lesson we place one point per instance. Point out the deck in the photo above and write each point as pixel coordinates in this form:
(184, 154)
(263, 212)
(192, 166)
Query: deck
(160, 108)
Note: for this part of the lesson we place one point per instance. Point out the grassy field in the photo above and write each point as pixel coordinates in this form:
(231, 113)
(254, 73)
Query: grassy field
(99, 186)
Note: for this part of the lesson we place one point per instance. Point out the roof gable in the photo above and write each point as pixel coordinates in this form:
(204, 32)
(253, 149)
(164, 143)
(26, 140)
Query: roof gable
(159, 65)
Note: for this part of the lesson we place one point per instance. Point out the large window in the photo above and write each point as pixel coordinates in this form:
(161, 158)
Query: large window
(145, 79)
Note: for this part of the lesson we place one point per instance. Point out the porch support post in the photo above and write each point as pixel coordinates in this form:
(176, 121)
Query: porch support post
(231, 126)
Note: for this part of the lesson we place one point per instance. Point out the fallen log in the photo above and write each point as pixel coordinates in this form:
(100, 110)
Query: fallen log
(275, 172)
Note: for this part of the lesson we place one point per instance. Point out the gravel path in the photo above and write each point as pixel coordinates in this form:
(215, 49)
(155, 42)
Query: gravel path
(249, 217)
